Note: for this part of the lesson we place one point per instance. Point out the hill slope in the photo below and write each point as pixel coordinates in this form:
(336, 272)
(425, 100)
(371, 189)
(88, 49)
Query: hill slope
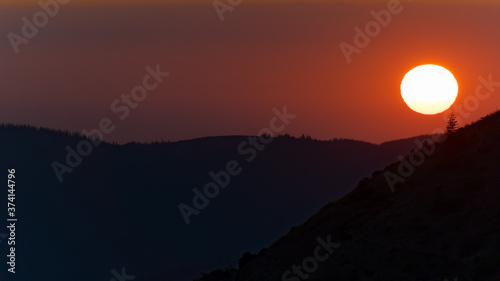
(441, 222)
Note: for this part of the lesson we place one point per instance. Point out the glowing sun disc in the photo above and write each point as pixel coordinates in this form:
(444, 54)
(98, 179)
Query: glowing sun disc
(429, 89)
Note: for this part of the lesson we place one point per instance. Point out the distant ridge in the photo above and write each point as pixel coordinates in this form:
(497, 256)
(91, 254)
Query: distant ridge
(101, 201)
(11, 127)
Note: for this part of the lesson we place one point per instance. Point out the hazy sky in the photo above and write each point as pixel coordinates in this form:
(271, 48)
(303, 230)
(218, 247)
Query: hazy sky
(226, 77)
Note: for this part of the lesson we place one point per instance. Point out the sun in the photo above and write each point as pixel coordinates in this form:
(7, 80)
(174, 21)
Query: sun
(429, 89)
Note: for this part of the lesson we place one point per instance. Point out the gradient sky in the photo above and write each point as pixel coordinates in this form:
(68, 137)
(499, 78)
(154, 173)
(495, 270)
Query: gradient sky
(226, 77)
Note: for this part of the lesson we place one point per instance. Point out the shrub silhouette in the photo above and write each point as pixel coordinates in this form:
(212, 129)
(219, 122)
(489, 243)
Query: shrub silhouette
(217, 275)
(245, 258)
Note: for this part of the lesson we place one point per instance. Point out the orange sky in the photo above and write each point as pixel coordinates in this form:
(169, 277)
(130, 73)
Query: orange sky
(31, 2)
(226, 77)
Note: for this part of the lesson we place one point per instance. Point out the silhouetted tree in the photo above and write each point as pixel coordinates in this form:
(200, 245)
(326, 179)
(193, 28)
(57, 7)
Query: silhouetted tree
(452, 125)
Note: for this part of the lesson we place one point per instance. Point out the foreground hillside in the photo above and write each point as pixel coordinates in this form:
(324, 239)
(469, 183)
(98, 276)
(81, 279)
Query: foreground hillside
(119, 206)
(442, 221)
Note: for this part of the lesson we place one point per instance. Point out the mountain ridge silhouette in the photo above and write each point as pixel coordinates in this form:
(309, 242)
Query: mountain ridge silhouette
(442, 221)
(119, 207)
